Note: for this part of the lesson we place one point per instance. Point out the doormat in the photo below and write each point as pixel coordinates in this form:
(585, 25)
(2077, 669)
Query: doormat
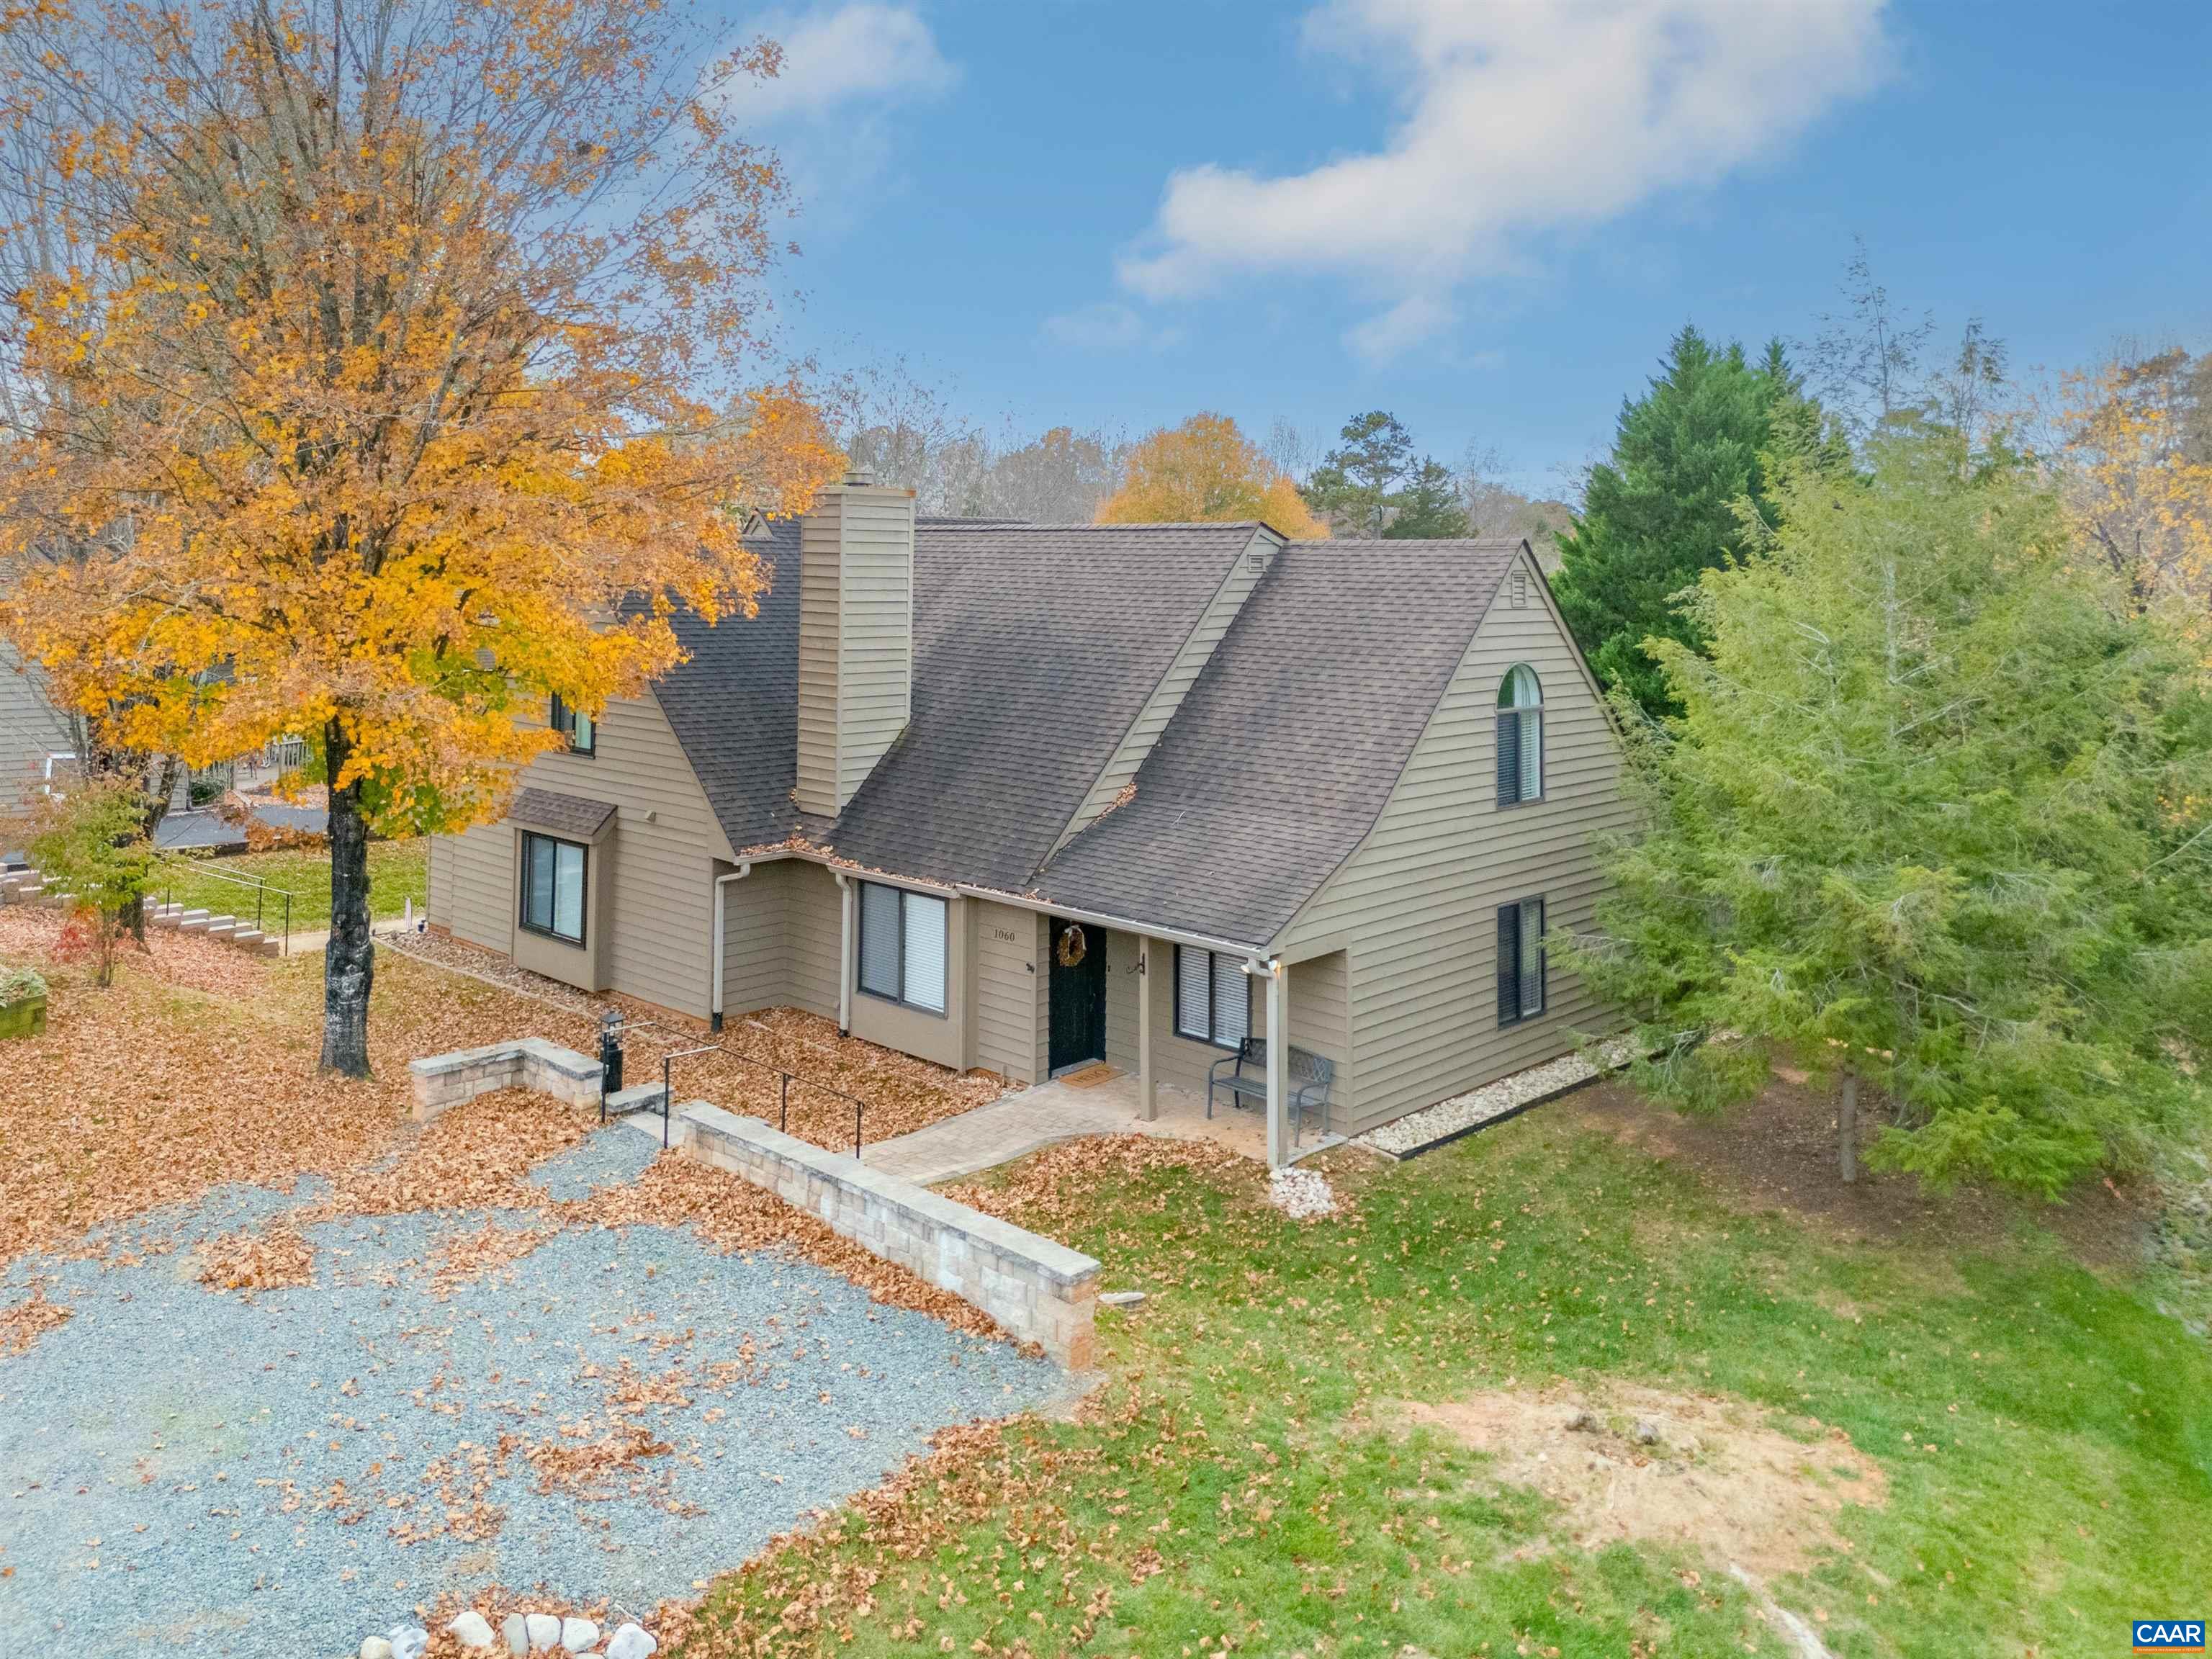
(1091, 1076)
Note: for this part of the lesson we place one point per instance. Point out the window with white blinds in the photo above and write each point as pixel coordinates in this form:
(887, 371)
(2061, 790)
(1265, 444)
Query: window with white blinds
(1213, 997)
(902, 946)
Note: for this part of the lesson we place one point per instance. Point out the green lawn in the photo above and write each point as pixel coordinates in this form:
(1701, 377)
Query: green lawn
(398, 871)
(2046, 1434)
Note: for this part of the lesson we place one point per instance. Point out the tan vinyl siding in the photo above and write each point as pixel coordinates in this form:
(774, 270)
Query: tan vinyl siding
(658, 861)
(1320, 992)
(1167, 696)
(855, 639)
(1009, 959)
(814, 921)
(875, 669)
(30, 731)
(1418, 899)
(755, 939)
(1123, 986)
(818, 563)
(475, 872)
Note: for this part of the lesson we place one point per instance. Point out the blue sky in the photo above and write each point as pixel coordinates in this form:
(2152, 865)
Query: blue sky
(1487, 217)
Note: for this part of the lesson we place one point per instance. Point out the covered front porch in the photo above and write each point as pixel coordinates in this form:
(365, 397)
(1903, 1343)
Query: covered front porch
(1167, 1016)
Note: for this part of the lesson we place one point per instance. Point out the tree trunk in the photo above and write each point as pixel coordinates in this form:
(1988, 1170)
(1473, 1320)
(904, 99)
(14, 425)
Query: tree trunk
(350, 961)
(1847, 1124)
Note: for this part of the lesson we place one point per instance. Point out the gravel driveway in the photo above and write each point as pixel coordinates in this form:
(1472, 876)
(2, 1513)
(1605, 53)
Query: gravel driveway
(617, 1413)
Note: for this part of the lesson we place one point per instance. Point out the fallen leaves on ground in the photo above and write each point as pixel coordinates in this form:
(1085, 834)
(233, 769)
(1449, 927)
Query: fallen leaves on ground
(1061, 1182)
(475, 1156)
(734, 1215)
(199, 1068)
(898, 1093)
(266, 1260)
(24, 1323)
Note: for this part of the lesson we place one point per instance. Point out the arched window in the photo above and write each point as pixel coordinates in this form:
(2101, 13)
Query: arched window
(1520, 737)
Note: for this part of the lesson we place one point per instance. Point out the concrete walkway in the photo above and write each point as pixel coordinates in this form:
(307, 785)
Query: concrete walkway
(1020, 1122)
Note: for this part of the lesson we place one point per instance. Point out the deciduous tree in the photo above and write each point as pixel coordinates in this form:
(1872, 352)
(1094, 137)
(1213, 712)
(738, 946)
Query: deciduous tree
(1936, 814)
(1207, 470)
(2139, 445)
(389, 382)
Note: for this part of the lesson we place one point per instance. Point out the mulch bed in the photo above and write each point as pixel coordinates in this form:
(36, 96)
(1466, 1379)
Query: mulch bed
(1779, 1152)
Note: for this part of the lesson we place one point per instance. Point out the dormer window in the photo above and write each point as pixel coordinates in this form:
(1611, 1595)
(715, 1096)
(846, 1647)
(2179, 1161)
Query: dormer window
(1520, 737)
(576, 726)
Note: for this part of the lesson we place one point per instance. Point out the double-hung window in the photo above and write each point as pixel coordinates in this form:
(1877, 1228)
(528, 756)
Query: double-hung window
(1213, 997)
(1520, 737)
(576, 726)
(553, 887)
(902, 946)
(1520, 961)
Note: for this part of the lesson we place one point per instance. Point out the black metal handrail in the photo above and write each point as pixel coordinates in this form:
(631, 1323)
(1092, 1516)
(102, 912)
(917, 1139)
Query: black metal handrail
(785, 1080)
(261, 889)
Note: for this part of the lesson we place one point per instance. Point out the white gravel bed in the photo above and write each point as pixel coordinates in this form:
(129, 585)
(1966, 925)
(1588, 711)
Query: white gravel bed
(1416, 1132)
(1301, 1194)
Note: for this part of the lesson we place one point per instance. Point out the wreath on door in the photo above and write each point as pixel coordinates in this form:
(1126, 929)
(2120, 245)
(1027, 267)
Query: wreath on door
(1074, 946)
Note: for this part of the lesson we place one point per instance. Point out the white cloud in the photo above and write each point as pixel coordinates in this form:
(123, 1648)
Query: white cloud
(862, 53)
(847, 71)
(1519, 118)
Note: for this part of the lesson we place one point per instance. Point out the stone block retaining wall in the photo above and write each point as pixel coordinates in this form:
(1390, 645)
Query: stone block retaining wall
(443, 1080)
(1038, 1289)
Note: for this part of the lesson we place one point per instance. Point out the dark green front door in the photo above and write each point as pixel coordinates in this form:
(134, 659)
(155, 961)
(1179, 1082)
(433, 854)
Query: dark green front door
(1078, 993)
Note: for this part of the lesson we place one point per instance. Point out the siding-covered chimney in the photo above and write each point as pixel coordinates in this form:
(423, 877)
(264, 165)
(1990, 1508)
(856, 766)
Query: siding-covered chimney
(855, 637)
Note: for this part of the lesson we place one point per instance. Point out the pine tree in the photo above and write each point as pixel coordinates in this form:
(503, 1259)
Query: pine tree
(1936, 815)
(1355, 487)
(1429, 507)
(1664, 509)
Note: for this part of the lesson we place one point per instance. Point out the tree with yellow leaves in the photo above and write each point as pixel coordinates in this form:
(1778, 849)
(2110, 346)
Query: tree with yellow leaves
(1207, 470)
(2140, 440)
(376, 376)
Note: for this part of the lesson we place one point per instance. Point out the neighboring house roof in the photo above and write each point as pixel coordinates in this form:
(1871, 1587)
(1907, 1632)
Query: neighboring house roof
(1284, 752)
(1036, 647)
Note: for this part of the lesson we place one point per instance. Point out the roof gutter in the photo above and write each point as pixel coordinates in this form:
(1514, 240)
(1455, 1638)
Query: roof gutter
(1173, 936)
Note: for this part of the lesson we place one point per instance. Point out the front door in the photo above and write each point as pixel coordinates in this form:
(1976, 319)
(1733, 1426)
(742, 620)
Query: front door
(1078, 993)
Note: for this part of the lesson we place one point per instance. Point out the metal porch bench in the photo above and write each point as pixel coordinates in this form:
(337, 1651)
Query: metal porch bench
(1308, 1079)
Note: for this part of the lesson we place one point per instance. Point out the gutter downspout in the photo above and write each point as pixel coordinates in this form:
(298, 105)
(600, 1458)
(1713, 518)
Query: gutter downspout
(745, 868)
(849, 894)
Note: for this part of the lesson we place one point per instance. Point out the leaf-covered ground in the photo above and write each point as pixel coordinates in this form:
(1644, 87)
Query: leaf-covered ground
(1270, 1466)
(198, 1068)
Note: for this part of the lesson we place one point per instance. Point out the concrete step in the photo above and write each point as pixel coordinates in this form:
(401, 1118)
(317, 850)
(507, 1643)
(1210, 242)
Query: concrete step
(193, 921)
(246, 935)
(221, 926)
(261, 945)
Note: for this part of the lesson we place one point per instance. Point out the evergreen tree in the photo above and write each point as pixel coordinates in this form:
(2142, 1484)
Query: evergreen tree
(1936, 814)
(1664, 509)
(1429, 507)
(1355, 487)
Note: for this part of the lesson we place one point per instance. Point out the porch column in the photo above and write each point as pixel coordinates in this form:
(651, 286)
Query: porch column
(1148, 1098)
(1278, 1037)
(847, 895)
